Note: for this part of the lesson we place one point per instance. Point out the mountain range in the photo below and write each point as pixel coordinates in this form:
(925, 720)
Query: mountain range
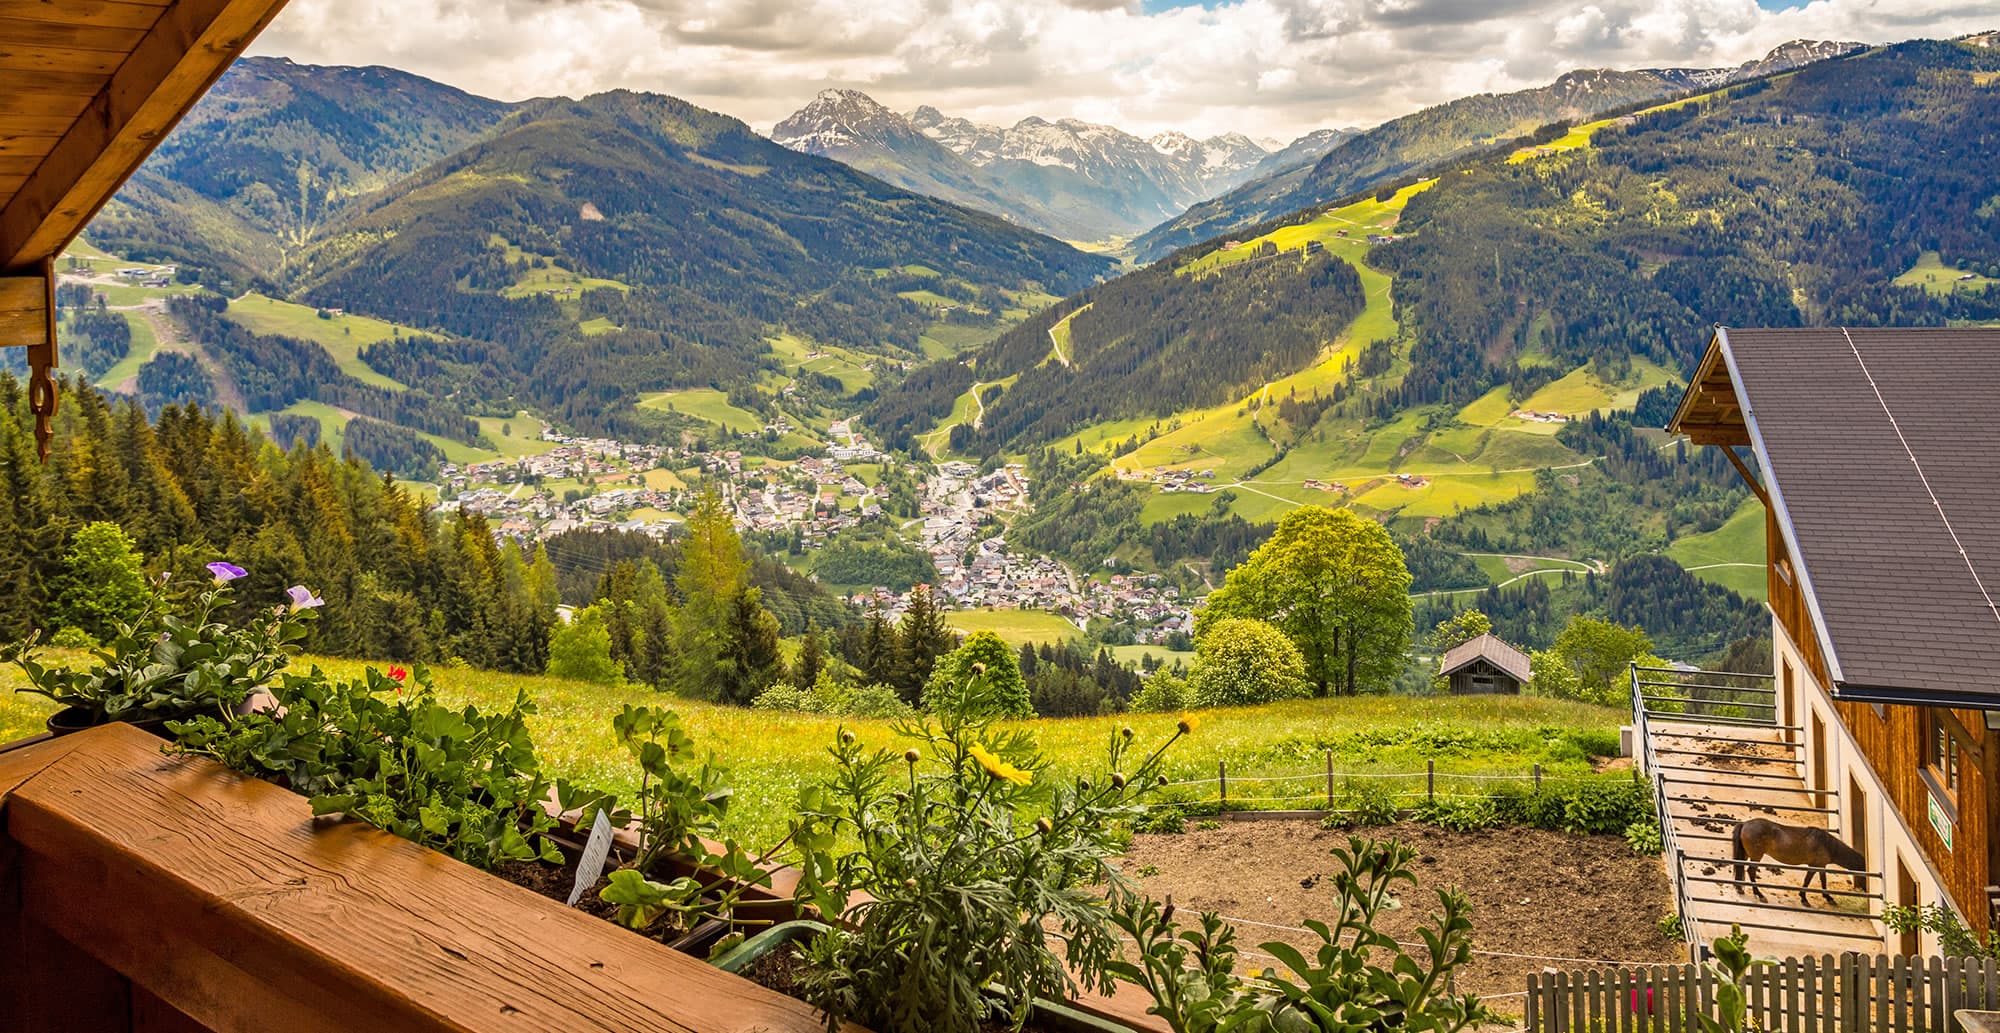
(1068, 178)
(1451, 130)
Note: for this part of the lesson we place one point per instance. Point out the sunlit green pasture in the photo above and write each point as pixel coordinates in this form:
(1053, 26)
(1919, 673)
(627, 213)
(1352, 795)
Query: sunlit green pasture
(772, 755)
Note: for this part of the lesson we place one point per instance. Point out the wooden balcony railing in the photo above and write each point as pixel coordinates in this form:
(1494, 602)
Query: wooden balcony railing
(146, 892)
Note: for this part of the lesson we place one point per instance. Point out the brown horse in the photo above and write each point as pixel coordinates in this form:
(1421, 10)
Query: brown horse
(1758, 838)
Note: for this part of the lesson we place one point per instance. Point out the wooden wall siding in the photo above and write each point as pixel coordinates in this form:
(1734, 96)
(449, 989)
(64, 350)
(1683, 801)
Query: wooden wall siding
(1894, 744)
(227, 901)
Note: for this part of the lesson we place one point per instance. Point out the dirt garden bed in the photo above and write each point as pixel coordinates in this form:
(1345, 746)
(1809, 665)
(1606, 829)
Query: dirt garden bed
(1533, 892)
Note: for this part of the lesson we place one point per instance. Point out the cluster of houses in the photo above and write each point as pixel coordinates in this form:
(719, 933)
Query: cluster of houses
(1173, 479)
(1532, 416)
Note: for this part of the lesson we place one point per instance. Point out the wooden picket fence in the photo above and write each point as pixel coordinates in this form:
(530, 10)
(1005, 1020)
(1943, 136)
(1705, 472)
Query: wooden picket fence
(1852, 993)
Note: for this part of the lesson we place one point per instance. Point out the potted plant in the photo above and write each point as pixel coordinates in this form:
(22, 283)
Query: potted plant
(163, 666)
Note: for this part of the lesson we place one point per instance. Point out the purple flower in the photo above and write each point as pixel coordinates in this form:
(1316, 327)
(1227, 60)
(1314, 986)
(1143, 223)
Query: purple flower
(226, 572)
(303, 598)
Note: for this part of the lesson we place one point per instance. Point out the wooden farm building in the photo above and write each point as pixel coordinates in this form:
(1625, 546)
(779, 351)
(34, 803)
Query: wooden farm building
(1876, 453)
(1484, 666)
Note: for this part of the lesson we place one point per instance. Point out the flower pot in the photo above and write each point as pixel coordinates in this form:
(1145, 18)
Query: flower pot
(750, 951)
(1061, 1018)
(75, 719)
(698, 940)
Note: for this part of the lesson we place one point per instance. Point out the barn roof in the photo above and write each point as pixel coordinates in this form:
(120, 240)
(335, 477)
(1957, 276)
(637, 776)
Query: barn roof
(87, 89)
(1487, 648)
(1877, 449)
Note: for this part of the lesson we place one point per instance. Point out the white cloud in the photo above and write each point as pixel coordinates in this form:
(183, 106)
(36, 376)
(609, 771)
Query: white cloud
(1268, 68)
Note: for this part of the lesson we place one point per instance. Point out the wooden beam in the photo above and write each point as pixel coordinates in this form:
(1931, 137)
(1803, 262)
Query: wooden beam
(24, 314)
(86, 13)
(179, 58)
(1748, 477)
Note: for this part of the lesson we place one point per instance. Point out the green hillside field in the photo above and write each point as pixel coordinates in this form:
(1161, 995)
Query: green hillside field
(772, 755)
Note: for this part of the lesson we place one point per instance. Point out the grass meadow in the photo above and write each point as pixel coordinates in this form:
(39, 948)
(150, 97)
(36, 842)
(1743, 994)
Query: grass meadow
(1271, 750)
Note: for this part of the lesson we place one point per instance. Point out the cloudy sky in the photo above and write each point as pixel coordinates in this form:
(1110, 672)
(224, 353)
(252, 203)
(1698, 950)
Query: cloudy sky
(1270, 68)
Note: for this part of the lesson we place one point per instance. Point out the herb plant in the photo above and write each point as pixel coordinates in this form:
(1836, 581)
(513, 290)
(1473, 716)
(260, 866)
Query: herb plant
(1360, 980)
(459, 781)
(678, 809)
(973, 867)
(165, 665)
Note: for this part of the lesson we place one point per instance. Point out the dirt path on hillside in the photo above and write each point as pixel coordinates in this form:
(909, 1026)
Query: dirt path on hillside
(1545, 894)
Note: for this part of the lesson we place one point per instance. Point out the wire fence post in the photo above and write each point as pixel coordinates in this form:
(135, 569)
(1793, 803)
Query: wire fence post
(1222, 780)
(1329, 780)
(1430, 780)
(1538, 777)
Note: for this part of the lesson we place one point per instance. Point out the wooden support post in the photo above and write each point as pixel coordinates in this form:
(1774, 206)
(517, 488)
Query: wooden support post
(1329, 780)
(1222, 780)
(1538, 777)
(28, 320)
(1430, 780)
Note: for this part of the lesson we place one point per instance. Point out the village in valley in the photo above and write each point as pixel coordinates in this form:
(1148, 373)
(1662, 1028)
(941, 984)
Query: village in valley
(583, 483)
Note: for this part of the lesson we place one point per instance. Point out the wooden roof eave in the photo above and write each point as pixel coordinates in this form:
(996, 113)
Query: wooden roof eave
(1710, 412)
(130, 79)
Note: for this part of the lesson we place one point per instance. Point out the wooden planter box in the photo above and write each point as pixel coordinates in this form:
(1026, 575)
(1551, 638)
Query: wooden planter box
(146, 892)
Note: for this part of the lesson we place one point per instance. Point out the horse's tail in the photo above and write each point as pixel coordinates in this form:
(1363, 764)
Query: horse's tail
(1736, 850)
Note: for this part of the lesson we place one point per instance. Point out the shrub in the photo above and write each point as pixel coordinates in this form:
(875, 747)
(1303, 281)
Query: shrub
(1460, 814)
(1241, 660)
(581, 649)
(965, 885)
(72, 638)
(1364, 802)
(1161, 820)
(1161, 694)
(1606, 808)
(983, 657)
(1670, 925)
(829, 696)
(100, 586)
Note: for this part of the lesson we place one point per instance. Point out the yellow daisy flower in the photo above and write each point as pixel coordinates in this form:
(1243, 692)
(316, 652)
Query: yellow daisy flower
(998, 768)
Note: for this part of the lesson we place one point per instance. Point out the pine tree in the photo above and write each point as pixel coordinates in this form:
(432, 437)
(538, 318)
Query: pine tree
(812, 659)
(922, 637)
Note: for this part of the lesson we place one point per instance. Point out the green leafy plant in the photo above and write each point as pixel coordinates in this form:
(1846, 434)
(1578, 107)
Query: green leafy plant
(1359, 979)
(1644, 837)
(1955, 940)
(1460, 814)
(1670, 925)
(388, 753)
(973, 868)
(678, 808)
(1730, 964)
(166, 664)
(1363, 802)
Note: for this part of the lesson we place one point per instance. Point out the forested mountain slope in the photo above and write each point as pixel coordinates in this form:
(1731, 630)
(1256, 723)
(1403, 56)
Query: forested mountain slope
(1799, 199)
(691, 236)
(274, 152)
(1449, 130)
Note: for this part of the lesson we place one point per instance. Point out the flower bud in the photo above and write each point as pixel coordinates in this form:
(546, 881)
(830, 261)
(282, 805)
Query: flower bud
(1083, 785)
(1162, 781)
(1126, 731)
(910, 884)
(900, 797)
(846, 738)
(1044, 826)
(1117, 781)
(911, 755)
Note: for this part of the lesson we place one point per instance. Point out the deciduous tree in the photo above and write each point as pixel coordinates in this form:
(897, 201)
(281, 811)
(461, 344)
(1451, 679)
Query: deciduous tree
(1335, 583)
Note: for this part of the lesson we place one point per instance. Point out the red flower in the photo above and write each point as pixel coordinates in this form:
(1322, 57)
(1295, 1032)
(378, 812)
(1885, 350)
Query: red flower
(398, 673)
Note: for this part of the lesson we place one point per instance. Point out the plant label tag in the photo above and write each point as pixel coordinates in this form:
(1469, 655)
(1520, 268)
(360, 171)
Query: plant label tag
(595, 852)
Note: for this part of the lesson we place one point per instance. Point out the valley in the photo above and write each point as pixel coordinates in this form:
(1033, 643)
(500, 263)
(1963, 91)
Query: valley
(826, 400)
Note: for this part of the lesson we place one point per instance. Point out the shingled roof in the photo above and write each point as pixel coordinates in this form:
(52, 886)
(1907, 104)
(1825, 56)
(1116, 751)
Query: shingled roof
(1880, 451)
(1487, 648)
